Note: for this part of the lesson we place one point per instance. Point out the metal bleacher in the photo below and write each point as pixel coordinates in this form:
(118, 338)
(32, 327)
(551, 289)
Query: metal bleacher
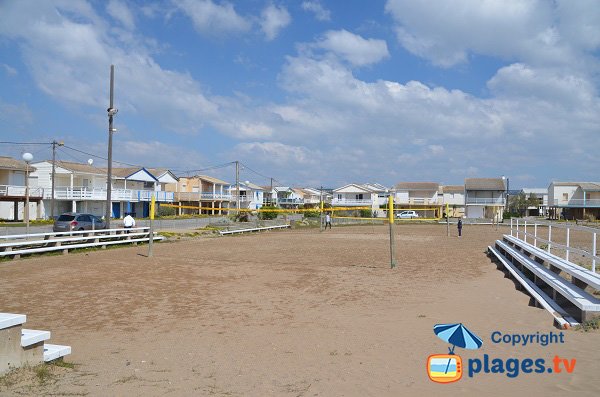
(556, 284)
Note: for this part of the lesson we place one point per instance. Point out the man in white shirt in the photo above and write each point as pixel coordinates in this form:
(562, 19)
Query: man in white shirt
(327, 221)
(128, 221)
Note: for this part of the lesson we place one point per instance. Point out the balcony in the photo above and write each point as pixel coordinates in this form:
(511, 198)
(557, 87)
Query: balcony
(417, 201)
(18, 192)
(290, 201)
(99, 194)
(350, 202)
(498, 201)
(208, 196)
(578, 203)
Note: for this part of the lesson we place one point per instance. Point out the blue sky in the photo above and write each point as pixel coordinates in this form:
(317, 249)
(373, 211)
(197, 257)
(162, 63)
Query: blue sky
(311, 92)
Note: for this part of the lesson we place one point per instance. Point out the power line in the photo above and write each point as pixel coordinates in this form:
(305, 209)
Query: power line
(25, 143)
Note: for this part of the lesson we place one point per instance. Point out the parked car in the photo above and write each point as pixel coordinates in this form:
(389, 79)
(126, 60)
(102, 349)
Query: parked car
(70, 221)
(407, 215)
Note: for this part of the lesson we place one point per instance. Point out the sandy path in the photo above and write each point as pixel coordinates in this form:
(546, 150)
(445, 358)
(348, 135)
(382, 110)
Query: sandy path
(288, 313)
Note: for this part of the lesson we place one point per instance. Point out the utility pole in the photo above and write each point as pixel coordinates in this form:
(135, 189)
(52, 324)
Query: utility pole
(392, 237)
(237, 186)
(271, 203)
(111, 112)
(54, 143)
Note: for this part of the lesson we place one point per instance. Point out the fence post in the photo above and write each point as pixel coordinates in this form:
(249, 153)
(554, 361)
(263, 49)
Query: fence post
(535, 234)
(517, 228)
(525, 232)
(568, 239)
(511, 226)
(549, 237)
(594, 252)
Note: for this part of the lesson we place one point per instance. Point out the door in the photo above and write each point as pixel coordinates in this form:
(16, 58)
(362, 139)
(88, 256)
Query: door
(116, 210)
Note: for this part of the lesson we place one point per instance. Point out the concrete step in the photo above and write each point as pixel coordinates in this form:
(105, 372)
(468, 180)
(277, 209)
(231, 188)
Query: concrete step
(53, 352)
(32, 336)
(8, 320)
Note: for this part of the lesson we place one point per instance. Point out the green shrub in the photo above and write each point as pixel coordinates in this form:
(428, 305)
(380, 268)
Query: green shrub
(166, 211)
(265, 214)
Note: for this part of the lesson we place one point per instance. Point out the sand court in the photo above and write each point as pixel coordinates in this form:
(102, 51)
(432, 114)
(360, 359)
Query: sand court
(285, 313)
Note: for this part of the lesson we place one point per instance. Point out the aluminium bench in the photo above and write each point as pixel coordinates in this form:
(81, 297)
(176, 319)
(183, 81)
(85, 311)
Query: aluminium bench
(579, 273)
(585, 302)
(253, 229)
(562, 318)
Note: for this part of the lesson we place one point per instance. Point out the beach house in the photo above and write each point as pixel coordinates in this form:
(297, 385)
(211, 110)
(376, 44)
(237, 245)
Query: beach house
(421, 197)
(485, 198)
(201, 193)
(13, 190)
(453, 198)
(574, 200)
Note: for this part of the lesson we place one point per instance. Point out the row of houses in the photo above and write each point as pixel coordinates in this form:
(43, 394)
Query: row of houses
(81, 187)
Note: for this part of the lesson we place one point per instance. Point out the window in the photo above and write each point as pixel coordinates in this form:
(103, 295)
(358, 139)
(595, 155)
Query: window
(148, 185)
(339, 196)
(566, 196)
(359, 196)
(588, 195)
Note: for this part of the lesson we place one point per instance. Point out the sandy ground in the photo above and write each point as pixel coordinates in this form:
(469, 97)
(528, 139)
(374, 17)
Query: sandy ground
(286, 313)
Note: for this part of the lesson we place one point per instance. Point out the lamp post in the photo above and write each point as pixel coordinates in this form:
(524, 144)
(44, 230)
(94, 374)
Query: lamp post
(27, 157)
(111, 112)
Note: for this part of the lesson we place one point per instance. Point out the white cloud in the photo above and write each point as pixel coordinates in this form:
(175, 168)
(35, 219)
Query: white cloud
(120, 12)
(354, 48)
(274, 19)
(533, 31)
(214, 19)
(278, 153)
(9, 69)
(321, 13)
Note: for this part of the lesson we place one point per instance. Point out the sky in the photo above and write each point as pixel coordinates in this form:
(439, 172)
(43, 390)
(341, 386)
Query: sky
(310, 92)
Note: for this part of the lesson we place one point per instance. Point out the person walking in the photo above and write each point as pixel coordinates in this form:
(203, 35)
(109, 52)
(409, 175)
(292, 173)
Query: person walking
(327, 221)
(459, 226)
(128, 221)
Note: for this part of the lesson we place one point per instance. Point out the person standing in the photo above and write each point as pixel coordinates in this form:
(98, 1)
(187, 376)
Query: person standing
(128, 221)
(459, 226)
(327, 221)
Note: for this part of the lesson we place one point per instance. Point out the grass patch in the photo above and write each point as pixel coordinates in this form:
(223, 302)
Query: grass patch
(589, 325)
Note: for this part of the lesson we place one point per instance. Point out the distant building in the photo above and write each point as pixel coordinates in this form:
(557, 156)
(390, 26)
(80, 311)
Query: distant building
(574, 200)
(13, 190)
(485, 198)
(454, 197)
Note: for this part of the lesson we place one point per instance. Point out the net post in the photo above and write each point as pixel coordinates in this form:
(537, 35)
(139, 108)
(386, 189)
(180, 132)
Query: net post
(568, 243)
(392, 239)
(447, 221)
(321, 215)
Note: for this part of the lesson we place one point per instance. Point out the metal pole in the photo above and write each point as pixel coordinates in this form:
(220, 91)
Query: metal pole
(568, 240)
(53, 173)
(26, 212)
(392, 239)
(535, 235)
(111, 112)
(447, 221)
(517, 231)
(525, 232)
(321, 209)
(549, 237)
(151, 231)
(511, 227)
(594, 252)
(237, 184)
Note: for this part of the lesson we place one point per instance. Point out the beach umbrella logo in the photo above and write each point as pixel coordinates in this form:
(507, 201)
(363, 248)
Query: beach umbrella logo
(447, 368)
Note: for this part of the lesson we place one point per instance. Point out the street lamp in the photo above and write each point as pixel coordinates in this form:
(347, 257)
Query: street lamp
(27, 157)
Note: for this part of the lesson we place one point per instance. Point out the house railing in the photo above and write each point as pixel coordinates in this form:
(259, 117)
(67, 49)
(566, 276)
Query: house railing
(195, 196)
(20, 191)
(485, 201)
(417, 201)
(579, 203)
(86, 193)
(290, 201)
(337, 201)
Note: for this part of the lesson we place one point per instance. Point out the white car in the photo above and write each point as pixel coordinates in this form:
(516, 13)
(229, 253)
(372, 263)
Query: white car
(407, 215)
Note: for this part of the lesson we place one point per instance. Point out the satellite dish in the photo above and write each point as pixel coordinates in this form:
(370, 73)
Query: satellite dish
(247, 182)
(27, 157)
(90, 161)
